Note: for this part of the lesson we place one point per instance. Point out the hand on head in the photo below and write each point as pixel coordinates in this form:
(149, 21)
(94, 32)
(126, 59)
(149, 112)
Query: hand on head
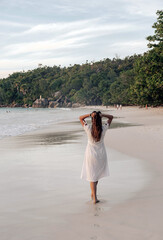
(93, 114)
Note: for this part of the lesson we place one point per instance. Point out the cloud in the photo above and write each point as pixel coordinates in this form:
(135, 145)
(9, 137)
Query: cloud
(133, 47)
(58, 26)
(14, 24)
(71, 31)
(22, 48)
(142, 7)
(10, 65)
(65, 35)
(65, 29)
(130, 44)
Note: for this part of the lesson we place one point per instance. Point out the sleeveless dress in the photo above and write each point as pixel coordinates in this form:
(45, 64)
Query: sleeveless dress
(95, 165)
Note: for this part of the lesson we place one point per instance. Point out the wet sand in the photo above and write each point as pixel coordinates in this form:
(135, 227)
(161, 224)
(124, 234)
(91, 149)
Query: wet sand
(43, 197)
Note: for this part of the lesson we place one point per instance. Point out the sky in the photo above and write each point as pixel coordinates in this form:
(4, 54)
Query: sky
(64, 32)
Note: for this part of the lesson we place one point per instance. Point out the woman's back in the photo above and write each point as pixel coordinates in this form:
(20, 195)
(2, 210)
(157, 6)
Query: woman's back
(95, 164)
(88, 130)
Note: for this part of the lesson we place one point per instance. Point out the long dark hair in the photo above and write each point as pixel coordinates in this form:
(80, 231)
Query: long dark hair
(96, 126)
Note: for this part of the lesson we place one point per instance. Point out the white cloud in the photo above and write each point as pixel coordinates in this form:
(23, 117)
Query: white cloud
(65, 35)
(59, 26)
(14, 24)
(133, 47)
(143, 7)
(10, 65)
(22, 48)
(72, 30)
(130, 44)
(76, 27)
(5, 73)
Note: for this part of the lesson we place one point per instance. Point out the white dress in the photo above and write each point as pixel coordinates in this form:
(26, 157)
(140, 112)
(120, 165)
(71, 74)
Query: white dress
(95, 165)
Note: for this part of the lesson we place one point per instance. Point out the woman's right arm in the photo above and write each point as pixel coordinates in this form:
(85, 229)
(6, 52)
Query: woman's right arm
(81, 118)
(110, 117)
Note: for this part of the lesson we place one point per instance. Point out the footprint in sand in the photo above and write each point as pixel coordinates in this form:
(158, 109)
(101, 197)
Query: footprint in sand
(94, 238)
(96, 225)
(97, 211)
(96, 214)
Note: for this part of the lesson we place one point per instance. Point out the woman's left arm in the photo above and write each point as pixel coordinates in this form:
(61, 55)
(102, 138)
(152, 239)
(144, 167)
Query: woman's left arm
(81, 118)
(110, 117)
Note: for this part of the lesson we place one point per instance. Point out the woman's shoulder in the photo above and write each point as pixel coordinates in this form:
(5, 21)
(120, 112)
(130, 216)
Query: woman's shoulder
(86, 126)
(105, 126)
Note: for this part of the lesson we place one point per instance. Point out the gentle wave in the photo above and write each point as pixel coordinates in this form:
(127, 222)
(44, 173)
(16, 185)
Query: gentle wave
(16, 121)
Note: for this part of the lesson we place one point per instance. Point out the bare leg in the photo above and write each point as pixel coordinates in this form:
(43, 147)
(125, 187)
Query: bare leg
(91, 195)
(93, 186)
(96, 193)
(93, 190)
(96, 190)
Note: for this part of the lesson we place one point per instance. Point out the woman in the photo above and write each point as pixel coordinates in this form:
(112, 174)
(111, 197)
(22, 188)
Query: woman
(95, 164)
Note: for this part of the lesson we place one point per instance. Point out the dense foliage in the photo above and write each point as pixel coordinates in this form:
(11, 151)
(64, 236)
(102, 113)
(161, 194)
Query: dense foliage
(104, 82)
(134, 80)
(148, 86)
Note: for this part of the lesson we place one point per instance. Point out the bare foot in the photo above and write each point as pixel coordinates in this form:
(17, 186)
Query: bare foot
(96, 201)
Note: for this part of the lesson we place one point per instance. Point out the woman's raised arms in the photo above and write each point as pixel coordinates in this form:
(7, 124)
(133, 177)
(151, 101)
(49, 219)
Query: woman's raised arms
(110, 117)
(81, 118)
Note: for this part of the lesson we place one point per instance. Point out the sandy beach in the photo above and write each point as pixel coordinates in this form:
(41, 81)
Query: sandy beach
(141, 217)
(43, 197)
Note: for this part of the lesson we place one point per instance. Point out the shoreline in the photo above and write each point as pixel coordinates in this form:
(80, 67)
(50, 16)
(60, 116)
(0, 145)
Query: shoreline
(43, 126)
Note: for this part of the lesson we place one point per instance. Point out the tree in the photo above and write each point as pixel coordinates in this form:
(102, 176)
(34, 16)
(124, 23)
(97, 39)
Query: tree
(148, 87)
(156, 41)
(120, 89)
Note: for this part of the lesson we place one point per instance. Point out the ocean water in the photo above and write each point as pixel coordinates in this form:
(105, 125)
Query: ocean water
(16, 121)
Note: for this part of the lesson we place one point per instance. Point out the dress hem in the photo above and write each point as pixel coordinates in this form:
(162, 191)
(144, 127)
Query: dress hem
(94, 180)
